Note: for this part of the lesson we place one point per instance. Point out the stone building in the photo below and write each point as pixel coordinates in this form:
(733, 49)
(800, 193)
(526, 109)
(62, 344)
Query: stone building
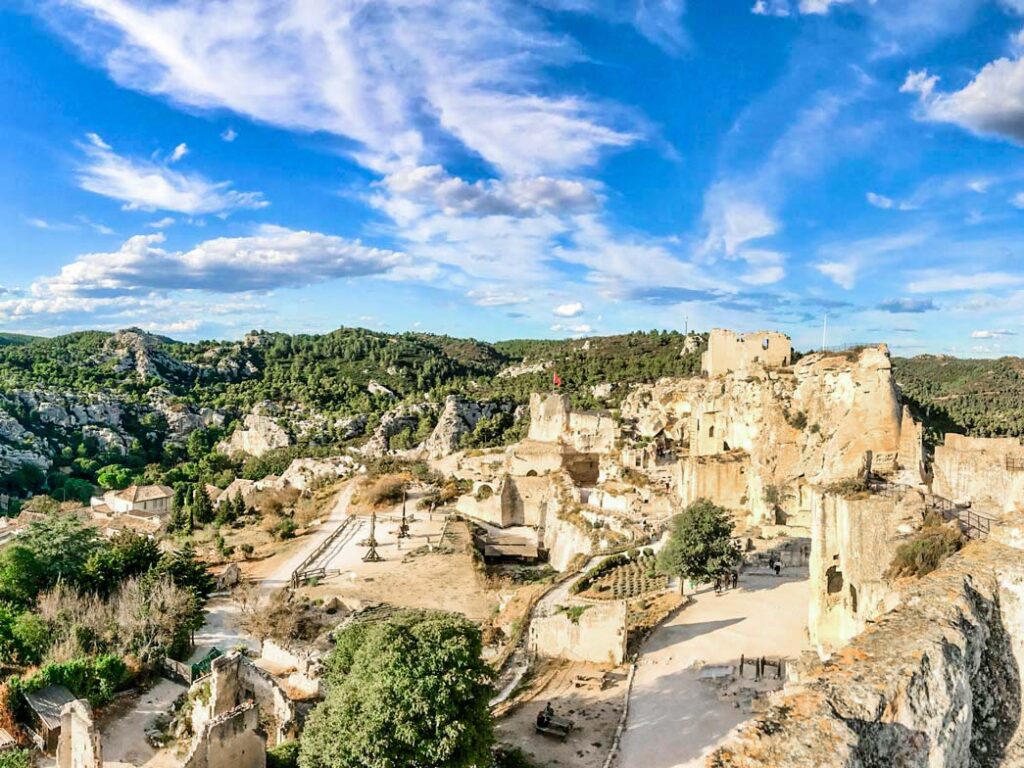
(730, 351)
(143, 500)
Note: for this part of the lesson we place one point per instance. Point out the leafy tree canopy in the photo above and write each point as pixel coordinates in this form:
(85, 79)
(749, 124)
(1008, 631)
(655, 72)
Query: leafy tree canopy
(700, 545)
(409, 692)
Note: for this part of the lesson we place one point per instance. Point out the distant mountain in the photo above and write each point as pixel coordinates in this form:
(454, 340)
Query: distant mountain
(15, 338)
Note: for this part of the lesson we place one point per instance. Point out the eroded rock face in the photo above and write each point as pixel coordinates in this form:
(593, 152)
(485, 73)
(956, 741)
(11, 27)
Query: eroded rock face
(988, 472)
(552, 420)
(135, 350)
(458, 417)
(260, 432)
(936, 682)
(393, 422)
(826, 419)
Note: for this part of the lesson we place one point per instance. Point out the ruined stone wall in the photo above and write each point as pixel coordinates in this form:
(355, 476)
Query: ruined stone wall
(235, 680)
(821, 421)
(853, 541)
(564, 541)
(79, 745)
(553, 421)
(936, 683)
(730, 351)
(981, 471)
(230, 740)
(596, 635)
(722, 479)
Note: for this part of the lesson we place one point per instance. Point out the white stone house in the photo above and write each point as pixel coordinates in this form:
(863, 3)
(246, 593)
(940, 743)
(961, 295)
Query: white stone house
(142, 500)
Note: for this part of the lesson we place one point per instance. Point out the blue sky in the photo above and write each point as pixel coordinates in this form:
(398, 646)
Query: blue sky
(515, 168)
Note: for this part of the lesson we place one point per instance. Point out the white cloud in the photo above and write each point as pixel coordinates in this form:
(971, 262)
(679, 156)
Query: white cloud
(271, 258)
(992, 104)
(881, 201)
(819, 6)
(842, 273)
(163, 223)
(492, 296)
(1017, 201)
(992, 334)
(944, 281)
(386, 76)
(229, 135)
(580, 329)
(146, 185)
(888, 203)
(521, 197)
(569, 310)
(179, 152)
(771, 8)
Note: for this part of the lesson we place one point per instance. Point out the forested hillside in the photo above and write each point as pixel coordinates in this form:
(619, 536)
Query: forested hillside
(984, 398)
(94, 408)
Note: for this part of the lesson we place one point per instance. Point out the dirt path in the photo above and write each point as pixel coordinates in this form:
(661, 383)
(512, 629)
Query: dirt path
(675, 719)
(124, 740)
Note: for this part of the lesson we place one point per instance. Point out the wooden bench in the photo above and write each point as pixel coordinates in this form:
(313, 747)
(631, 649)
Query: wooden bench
(556, 726)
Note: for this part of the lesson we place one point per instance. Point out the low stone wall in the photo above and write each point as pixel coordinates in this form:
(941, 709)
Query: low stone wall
(231, 740)
(936, 682)
(597, 634)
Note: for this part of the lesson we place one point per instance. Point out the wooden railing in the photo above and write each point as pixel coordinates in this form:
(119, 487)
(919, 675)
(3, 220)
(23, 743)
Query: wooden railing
(305, 571)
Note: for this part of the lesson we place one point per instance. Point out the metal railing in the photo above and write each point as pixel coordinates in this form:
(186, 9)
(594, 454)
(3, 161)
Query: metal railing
(973, 525)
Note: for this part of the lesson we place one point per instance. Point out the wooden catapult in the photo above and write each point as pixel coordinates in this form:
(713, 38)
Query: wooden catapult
(372, 555)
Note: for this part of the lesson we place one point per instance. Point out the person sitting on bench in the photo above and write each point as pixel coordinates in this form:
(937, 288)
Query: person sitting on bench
(545, 715)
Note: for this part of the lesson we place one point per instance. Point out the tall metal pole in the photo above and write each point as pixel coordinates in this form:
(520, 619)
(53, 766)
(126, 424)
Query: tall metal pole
(824, 330)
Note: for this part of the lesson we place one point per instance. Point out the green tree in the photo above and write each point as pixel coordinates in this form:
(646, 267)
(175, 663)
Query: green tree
(700, 546)
(202, 508)
(21, 575)
(62, 543)
(409, 692)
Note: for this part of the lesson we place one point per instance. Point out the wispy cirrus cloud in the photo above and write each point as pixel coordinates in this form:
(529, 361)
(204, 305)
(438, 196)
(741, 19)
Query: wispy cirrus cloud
(907, 306)
(148, 185)
(993, 334)
(386, 76)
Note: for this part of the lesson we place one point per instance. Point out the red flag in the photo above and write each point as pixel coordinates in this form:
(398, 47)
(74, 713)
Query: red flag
(556, 379)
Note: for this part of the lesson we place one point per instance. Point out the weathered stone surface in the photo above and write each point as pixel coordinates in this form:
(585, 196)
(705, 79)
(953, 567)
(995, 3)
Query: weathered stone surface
(823, 420)
(393, 422)
(259, 433)
(936, 682)
(988, 472)
(458, 417)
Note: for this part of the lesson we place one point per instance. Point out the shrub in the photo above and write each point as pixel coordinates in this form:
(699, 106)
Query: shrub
(510, 757)
(850, 486)
(284, 755)
(17, 758)
(285, 529)
(925, 552)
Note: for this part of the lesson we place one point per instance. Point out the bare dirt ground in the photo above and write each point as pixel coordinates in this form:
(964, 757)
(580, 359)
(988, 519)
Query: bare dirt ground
(675, 718)
(430, 580)
(124, 742)
(575, 692)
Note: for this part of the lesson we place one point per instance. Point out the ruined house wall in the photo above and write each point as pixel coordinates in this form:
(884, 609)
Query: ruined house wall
(553, 421)
(235, 680)
(598, 635)
(981, 471)
(80, 745)
(231, 740)
(731, 351)
(934, 683)
(491, 508)
(853, 541)
(820, 421)
(723, 479)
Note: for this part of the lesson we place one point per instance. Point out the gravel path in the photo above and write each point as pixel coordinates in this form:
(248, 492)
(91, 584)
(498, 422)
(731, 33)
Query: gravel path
(675, 720)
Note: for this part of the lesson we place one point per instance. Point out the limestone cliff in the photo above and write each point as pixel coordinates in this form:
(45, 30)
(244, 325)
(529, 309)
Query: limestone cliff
(986, 472)
(776, 431)
(260, 432)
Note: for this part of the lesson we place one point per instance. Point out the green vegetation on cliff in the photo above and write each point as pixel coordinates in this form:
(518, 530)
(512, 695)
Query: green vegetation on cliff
(983, 398)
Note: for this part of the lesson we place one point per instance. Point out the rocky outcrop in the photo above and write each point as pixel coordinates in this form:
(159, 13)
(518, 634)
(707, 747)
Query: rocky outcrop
(825, 419)
(936, 682)
(853, 541)
(393, 422)
(135, 350)
(552, 420)
(309, 474)
(458, 417)
(260, 432)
